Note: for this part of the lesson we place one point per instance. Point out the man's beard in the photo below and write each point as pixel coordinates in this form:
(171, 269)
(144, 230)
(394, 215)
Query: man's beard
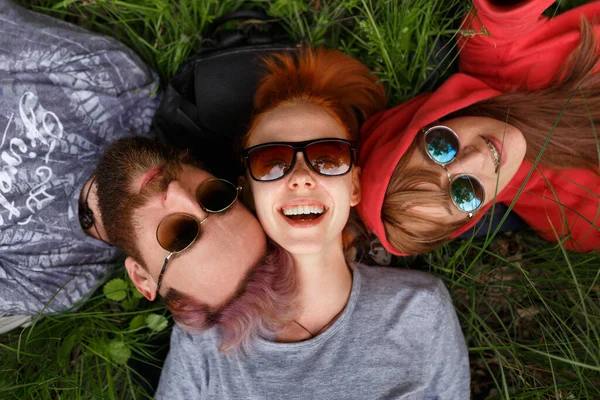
(264, 303)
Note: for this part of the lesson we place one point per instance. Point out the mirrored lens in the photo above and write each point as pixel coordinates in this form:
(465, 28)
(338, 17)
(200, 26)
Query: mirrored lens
(441, 144)
(176, 232)
(467, 193)
(216, 195)
(270, 162)
(330, 157)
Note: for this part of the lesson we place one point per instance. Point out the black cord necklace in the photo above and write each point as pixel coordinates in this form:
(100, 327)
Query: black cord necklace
(312, 335)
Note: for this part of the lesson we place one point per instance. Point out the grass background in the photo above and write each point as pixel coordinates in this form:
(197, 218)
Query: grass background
(529, 310)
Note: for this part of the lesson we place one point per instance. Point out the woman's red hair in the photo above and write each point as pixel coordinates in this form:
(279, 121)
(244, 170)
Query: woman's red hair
(343, 86)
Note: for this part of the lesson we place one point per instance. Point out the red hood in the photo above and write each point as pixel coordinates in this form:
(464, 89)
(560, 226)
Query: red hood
(386, 137)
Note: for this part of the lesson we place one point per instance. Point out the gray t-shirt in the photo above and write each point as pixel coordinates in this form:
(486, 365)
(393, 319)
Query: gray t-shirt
(398, 337)
(65, 94)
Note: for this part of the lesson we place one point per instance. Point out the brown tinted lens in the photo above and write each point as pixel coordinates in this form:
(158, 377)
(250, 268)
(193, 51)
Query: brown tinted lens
(270, 162)
(176, 232)
(216, 195)
(330, 157)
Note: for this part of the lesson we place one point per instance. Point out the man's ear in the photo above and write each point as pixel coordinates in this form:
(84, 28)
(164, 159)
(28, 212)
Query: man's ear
(356, 194)
(246, 196)
(141, 278)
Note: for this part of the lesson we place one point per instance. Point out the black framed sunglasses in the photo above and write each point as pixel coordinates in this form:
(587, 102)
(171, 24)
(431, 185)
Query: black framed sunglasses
(272, 161)
(442, 146)
(177, 232)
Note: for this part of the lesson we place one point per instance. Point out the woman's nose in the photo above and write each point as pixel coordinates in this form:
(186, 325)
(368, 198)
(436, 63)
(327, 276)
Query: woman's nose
(469, 161)
(301, 177)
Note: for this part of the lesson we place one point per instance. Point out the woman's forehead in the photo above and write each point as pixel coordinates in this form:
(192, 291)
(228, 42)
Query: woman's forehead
(295, 123)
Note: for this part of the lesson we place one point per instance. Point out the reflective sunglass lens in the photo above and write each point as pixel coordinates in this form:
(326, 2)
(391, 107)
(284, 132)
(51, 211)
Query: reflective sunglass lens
(330, 157)
(270, 162)
(441, 144)
(467, 193)
(176, 232)
(216, 195)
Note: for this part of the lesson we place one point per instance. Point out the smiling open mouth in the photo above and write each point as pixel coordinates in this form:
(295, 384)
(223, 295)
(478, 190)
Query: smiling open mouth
(303, 213)
(494, 151)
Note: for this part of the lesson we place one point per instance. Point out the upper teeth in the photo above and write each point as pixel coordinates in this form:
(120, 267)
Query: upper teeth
(303, 210)
(494, 151)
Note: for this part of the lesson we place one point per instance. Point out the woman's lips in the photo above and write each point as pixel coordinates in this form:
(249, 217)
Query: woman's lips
(304, 223)
(304, 209)
(499, 148)
(303, 213)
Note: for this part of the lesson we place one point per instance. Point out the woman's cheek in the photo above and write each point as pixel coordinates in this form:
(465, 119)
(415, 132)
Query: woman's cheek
(263, 203)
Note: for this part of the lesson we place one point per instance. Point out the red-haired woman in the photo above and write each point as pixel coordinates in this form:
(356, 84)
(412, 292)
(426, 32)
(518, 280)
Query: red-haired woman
(359, 332)
(516, 126)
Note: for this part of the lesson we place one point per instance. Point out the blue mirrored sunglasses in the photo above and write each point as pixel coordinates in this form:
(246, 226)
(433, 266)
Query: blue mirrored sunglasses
(442, 146)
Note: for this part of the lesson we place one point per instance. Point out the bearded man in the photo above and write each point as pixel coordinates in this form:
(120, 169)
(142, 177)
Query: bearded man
(190, 240)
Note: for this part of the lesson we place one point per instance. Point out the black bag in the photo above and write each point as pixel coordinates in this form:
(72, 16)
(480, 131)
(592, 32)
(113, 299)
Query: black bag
(207, 104)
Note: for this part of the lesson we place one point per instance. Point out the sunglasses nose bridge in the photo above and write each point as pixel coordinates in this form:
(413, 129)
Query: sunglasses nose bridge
(470, 161)
(447, 172)
(301, 173)
(183, 200)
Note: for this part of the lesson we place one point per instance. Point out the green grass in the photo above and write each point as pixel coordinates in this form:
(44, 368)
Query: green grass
(530, 311)
(530, 314)
(87, 354)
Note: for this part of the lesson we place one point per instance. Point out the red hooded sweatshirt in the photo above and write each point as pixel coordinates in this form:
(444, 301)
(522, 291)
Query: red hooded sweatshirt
(523, 50)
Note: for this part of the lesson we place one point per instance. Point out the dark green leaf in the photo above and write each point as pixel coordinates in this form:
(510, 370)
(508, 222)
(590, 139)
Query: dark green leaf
(66, 347)
(130, 304)
(137, 322)
(119, 351)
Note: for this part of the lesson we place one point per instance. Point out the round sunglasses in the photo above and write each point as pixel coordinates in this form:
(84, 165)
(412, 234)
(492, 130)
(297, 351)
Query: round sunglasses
(177, 232)
(272, 161)
(442, 146)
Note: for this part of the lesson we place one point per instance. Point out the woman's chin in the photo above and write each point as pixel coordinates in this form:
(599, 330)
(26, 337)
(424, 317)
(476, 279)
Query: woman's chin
(302, 247)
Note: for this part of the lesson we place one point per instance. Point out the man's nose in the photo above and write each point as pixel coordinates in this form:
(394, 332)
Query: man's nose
(182, 199)
(301, 176)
